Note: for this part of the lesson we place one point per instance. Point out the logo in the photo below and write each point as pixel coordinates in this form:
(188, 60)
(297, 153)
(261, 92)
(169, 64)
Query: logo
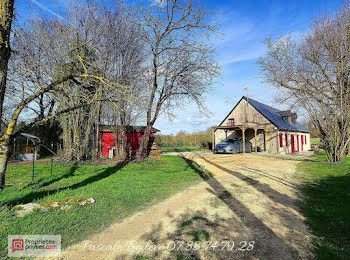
(17, 245)
(34, 245)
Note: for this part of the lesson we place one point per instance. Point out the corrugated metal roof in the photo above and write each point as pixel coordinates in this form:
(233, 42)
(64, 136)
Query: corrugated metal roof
(272, 115)
(33, 138)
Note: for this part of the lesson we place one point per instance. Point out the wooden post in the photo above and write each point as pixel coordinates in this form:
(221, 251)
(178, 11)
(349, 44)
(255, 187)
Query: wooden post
(264, 140)
(213, 144)
(256, 145)
(243, 138)
(33, 163)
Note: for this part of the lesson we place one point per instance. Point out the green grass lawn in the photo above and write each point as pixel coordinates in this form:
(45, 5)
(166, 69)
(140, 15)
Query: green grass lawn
(315, 140)
(178, 149)
(118, 191)
(327, 205)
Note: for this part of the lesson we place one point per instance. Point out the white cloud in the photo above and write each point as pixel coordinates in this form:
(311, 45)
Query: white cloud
(186, 121)
(251, 52)
(240, 58)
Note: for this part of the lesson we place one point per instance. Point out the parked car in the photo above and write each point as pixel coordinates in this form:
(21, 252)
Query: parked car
(233, 146)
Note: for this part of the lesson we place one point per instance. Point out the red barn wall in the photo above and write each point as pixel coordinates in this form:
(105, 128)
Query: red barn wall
(133, 139)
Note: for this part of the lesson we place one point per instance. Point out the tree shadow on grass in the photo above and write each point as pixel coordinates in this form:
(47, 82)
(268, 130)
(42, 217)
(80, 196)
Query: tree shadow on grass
(70, 173)
(36, 195)
(327, 212)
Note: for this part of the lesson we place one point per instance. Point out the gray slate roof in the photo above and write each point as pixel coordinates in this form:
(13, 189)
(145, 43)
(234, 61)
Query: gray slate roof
(272, 115)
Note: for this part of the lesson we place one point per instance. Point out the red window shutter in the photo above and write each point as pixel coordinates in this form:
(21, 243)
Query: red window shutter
(305, 138)
(231, 122)
(298, 149)
(302, 142)
(281, 140)
(286, 136)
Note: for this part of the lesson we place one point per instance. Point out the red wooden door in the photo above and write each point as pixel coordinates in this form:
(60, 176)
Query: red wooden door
(107, 141)
(292, 143)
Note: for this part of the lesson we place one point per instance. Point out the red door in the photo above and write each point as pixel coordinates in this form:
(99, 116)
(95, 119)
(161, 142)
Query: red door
(298, 143)
(292, 143)
(107, 141)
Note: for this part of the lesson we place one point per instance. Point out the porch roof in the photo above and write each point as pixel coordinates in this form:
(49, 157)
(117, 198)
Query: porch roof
(236, 127)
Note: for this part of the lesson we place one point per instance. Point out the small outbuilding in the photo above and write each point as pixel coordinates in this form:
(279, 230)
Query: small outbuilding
(110, 138)
(267, 128)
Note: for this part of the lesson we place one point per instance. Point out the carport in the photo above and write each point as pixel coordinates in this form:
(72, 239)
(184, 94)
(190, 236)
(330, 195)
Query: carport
(242, 128)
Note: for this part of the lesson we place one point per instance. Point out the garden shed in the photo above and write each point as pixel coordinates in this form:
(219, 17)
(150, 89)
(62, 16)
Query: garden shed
(110, 137)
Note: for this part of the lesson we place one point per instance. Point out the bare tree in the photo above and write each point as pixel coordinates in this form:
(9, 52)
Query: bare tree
(315, 73)
(180, 58)
(54, 58)
(125, 52)
(6, 16)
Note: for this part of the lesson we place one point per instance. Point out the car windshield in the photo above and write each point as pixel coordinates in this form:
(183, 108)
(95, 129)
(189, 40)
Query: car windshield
(228, 141)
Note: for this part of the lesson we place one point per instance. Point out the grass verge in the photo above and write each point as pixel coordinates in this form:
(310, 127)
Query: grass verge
(327, 205)
(118, 191)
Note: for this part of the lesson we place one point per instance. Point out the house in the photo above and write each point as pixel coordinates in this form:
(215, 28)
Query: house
(267, 128)
(132, 136)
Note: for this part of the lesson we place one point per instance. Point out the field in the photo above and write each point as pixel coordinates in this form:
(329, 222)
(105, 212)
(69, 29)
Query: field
(315, 140)
(178, 149)
(118, 191)
(327, 205)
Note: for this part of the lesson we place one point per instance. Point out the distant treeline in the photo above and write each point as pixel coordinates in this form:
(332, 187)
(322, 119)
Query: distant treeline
(198, 139)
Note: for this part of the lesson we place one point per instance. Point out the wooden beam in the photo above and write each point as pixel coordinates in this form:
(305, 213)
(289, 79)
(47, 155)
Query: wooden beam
(256, 146)
(243, 138)
(213, 136)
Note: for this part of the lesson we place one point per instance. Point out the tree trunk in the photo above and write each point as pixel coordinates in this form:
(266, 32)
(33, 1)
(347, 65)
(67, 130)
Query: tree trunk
(145, 144)
(142, 152)
(4, 157)
(6, 15)
(96, 148)
(332, 154)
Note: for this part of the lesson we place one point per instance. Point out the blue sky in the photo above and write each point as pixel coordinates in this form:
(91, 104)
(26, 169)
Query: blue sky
(245, 24)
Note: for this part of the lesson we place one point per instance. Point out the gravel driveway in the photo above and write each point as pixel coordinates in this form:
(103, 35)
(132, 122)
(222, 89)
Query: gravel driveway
(247, 210)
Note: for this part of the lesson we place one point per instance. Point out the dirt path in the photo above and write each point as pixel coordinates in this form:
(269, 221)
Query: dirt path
(247, 210)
